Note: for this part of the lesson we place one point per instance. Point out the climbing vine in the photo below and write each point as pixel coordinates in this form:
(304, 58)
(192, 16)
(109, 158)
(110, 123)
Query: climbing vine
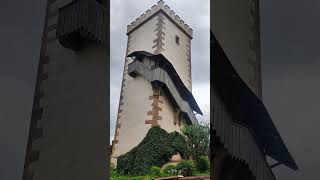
(155, 149)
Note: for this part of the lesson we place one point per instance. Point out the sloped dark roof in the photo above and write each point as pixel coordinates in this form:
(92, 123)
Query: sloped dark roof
(245, 107)
(167, 66)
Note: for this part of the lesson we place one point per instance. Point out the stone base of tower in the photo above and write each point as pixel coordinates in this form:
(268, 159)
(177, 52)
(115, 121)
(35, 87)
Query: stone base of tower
(142, 105)
(113, 162)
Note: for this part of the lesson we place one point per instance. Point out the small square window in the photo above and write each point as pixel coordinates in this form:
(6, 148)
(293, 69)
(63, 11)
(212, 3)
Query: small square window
(177, 40)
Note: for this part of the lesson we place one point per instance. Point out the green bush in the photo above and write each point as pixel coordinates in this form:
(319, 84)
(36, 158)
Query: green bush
(170, 170)
(198, 139)
(202, 164)
(113, 172)
(185, 168)
(155, 171)
(155, 149)
(132, 178)
(138, 178)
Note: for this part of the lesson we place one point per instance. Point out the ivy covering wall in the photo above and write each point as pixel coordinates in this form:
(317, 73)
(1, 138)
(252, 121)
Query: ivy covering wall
(155, 149)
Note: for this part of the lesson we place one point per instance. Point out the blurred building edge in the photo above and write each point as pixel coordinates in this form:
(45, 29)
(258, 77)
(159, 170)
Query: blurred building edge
(67, 134)
(242, 132)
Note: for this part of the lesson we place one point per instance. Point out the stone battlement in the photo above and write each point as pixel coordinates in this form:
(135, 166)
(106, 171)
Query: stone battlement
(154, 9)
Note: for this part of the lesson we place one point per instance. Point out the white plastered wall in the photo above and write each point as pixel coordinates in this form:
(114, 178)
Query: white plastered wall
(136, 91)
(232, 25)
(177, 54)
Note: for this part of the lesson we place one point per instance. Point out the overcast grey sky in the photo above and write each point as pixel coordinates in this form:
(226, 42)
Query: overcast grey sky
(290, 64)
(291, 75)
(195, 14)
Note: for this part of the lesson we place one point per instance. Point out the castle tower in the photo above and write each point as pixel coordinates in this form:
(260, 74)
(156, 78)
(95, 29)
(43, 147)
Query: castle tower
(156, 85)
(67, 135)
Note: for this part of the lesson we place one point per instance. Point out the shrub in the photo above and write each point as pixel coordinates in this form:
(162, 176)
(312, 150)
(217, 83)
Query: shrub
(202, 164)
(198, 139)
(185, 168)
(170, 170)
(131, 178)
(154, 150)
(155, 171)
(138, 178)
(113, 172)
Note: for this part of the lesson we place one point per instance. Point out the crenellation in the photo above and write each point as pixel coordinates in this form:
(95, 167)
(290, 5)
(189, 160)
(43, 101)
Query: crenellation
(138, 20)
(153, 7)
(166, 9)
(176, 17)
(142, 15)
(160, 2)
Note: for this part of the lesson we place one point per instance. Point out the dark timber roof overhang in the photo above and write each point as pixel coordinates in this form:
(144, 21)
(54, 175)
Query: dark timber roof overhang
(80, 21)
(168, 67)
(245, 107)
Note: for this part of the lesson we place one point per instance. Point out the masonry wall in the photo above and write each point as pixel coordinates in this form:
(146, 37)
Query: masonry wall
(75, 110)
(235, 25)
(142, 105)
(178, 55)
(134, 102)
(171, 121)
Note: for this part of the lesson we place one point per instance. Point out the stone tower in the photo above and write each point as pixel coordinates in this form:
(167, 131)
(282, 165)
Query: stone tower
(156, 84)
(67, 135)
(236, 25)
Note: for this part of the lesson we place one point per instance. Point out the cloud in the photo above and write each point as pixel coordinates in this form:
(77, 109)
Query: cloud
(201, 92)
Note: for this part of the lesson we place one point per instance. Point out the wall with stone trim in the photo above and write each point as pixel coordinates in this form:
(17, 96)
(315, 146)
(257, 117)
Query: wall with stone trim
(178, 55)
(235, 25)
(141, 104)
(74, 102)
(170, 116)
(134, 102)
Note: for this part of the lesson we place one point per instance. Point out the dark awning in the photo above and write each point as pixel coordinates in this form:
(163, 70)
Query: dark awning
(245, 107)
(163, 62)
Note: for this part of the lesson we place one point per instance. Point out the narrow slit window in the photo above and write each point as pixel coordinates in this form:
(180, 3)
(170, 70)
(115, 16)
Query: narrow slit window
(177, 40)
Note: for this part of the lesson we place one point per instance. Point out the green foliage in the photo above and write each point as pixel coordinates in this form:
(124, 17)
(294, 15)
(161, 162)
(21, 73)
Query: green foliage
(154, 150)
(155, 171)
(197, 173)
(113, 172)
(132, 178)
(138, 178)
(185, 168)
(198, 139)
(114, 175)
(202, 164)
(170, 170)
